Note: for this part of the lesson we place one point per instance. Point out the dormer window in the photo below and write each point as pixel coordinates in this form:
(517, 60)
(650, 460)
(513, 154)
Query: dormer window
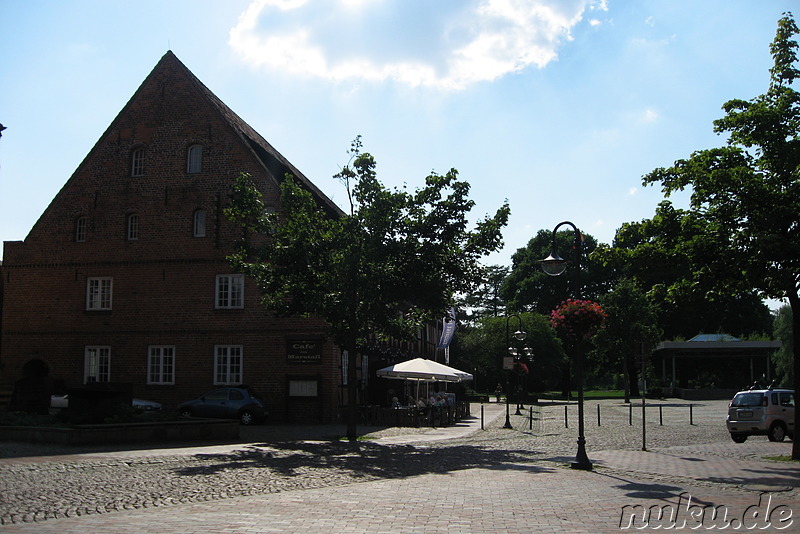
(194, 159)
(137, 162)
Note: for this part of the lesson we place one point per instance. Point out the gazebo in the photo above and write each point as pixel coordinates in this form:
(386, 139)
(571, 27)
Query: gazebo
(733, 362)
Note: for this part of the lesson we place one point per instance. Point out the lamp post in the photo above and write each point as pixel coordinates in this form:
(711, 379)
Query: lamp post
(554, 265)
(527, 358)
(519, 335)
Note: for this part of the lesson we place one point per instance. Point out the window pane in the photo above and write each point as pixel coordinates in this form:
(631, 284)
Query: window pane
(228, 364)
(137, 162)
(97, 364)
(194, 161)
(80, 230)
(133, 227)
(230, 291)
(160, 365)
(98, 293)
(200, 223)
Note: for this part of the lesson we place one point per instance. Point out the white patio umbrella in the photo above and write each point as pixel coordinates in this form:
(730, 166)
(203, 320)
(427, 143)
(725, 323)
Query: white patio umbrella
(424, 370)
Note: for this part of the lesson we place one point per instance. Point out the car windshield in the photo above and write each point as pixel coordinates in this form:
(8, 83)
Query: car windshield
(747, 399)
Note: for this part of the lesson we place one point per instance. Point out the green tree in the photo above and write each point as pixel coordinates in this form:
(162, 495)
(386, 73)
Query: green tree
(483, 347)
(528, 288)
(669, 257)
(485, 300)
(393, 262)
(749, 190)
(632, 321)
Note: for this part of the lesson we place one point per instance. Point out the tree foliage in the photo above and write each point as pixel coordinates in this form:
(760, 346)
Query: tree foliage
(485, 300)
(393, 262)
(528, 288)
(749, 190)
(673, 257)
(632, 320)
(484, 347)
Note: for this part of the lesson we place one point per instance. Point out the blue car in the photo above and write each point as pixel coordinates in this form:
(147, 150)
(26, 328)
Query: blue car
(226, 403)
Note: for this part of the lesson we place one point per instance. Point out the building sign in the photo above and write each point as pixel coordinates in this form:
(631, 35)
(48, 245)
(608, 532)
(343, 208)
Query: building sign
(304, 351)
(303, 388)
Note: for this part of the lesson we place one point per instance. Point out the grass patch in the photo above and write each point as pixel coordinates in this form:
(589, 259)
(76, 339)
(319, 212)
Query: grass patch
(589, 394)
(781, 458)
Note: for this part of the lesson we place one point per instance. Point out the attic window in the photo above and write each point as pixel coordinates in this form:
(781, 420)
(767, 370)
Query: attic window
(80, 230)
(137, 162)
(194, 159)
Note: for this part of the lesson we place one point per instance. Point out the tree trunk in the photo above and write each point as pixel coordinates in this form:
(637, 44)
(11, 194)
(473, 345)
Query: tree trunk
(633, 374)
(352, 393)
(794, 302)
(565, 380)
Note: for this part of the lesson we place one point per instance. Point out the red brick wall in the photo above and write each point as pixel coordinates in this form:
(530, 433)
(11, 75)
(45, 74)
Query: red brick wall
(163, 282)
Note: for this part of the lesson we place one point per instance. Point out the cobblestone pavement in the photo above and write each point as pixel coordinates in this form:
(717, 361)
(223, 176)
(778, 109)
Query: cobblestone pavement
(493, 480)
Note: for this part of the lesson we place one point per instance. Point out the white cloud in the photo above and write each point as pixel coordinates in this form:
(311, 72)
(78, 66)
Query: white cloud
(444, 44)
(632, 191)
(648, 116)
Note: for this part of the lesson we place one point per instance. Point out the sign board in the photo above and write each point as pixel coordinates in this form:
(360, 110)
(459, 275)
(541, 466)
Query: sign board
(304, 351)
(508, 363)
(303, 388)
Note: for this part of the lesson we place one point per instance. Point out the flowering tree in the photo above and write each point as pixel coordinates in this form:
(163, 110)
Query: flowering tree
(578, 318)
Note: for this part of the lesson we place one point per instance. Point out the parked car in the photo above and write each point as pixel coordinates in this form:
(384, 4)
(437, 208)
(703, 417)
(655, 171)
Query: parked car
(758, 412)
(62, 402)
(226, 403)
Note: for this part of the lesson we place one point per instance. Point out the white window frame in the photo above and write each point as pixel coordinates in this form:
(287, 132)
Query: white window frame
(99, 293)
(194, 159)
(133, 227)
(80, 229)
(199, 223)
(228, 365)
(229, 291)
(137, 162)
(96, 364)
(161, 364)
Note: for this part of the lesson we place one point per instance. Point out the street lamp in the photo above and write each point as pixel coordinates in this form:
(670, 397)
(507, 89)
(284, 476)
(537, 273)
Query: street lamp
(519, 335)
(527, 358)
(554, 265)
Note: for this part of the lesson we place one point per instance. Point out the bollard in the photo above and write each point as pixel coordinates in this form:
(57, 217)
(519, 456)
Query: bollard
(630, 414)
(530, 420)
(660, 415)
(598, 415)
(566, 419)
(691, 414)
(482, 416)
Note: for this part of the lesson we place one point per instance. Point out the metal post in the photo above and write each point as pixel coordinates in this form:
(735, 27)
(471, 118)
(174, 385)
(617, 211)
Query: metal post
(481, 416)
(660, 415)
(566, 417)
(644, 420)
(598, 415)
(691, 414)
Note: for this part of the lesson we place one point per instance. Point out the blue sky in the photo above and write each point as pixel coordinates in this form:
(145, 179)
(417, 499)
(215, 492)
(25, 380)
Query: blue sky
(559, 106)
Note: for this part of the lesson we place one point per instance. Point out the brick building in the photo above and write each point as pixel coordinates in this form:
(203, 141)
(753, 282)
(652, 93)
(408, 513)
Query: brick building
(124, 277)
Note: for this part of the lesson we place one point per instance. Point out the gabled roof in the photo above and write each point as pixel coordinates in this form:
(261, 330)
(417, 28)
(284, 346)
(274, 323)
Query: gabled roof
(277, 165)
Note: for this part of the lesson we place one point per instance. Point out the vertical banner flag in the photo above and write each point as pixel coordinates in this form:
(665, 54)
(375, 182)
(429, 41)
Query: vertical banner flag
(448, 329)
